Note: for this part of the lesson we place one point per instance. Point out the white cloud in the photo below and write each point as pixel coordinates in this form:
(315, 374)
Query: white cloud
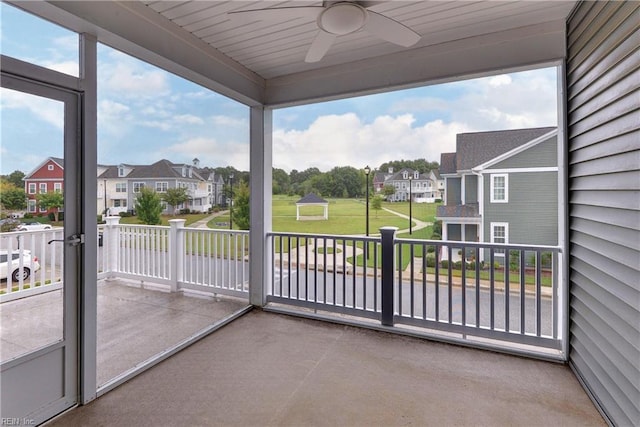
(188, 119)
(344, 140)
(229, 121)
(47, 110)
(131, 81)
(501, 80)
(113, 117)
(210, 151)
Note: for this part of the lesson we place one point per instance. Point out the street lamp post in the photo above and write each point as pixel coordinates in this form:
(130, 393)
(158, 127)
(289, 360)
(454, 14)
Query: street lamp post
(367, 170)
(410, 222)
(231, 202)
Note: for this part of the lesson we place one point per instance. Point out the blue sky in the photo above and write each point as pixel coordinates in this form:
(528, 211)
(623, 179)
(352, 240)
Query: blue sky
(145, 113)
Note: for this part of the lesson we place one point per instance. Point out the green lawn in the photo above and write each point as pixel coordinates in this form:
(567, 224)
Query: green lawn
(190, 218)
(346, 216)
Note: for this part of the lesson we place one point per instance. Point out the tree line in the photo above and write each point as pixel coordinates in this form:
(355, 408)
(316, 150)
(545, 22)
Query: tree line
(341, 181)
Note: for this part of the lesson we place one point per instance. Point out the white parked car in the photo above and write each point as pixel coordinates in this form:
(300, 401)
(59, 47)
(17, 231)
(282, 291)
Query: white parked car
(29, 264)
(33, 226)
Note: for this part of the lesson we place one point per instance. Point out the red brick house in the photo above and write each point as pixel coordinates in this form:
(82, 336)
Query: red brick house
(47, 177)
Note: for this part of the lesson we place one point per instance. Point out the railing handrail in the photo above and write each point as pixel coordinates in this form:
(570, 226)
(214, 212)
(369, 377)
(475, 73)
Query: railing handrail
(481, 245)
(327, 236)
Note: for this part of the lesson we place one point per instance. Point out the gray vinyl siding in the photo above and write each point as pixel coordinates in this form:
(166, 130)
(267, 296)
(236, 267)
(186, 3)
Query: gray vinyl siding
(471, 189)
(532, 210)
(544, 154)
(453, 192)
(604, 204)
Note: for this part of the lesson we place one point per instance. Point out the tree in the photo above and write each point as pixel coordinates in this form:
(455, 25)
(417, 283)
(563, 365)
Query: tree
(175, 197)
(240, 212)
(15, 178)
(148, 207)
(388, 190)
(281, 181)
(53, 200)
(13, 198)
(376, 204)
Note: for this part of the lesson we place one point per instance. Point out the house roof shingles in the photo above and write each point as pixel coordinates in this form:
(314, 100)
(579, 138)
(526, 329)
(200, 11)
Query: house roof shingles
(473, 149)
(310, 199)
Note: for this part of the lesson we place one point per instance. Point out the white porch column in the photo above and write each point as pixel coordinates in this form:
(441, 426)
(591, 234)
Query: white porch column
(176, 252)
(88, 157)
(260, 202)
(110, 244)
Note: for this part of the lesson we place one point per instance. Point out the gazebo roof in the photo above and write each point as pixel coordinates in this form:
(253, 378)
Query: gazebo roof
(311, 199)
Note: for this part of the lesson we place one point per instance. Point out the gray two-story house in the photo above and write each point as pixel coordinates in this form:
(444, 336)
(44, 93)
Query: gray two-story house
(502, 187)
(409, 183)
(119, 186)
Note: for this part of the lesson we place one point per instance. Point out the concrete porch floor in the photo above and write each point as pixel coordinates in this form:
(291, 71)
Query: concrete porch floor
(275, 370)
(135, 322)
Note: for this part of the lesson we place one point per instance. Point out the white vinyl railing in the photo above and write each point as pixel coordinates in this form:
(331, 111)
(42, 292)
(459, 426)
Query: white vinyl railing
(212, 261)
(205, 260)
(40, 261)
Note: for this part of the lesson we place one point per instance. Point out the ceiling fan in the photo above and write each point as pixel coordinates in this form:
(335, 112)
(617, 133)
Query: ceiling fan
(336, 19)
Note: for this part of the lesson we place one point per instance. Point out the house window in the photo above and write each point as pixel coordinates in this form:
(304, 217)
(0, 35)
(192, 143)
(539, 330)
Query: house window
(499, 188)
(499, 234)
(120, 203)
(43, 187)
(120, 171)
(50, 167)
(161, 187)
(43, 209)
(57, 187)
(32, 188)
(31, 205)
(121, 187)
(137, 186)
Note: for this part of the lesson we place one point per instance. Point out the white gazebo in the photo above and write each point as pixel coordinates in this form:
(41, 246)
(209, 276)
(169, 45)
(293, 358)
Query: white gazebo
(312, 200)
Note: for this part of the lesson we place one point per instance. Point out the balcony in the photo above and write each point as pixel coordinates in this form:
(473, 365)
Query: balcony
(298, 370)
(469, 210)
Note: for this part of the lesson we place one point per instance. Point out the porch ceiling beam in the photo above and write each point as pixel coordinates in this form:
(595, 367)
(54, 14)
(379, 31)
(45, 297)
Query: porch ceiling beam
(141, 32)
(506, 50)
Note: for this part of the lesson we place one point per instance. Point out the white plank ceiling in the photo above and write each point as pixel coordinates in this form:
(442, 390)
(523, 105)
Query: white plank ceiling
(277, 47)
(262, 62)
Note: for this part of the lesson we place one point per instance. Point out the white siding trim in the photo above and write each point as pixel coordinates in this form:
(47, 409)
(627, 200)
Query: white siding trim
(522, 170)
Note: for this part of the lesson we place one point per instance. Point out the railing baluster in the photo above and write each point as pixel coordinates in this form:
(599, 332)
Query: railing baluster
(437, 251)
(400, 263)
(424, 281)
(477, 261)
(411, 278)
(463, 297)
(492, 289)
(450, 282)
(538, 293)
(522, 292)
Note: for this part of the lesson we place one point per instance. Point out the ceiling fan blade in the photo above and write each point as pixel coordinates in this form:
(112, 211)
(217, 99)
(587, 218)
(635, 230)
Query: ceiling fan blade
(276, 14)
(319, 46)
(390, 30)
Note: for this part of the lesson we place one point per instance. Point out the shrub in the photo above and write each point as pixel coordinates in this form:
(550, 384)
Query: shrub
(185, 211)
(431, 249)
(431, 260)
(28, 215)
(52, 216)
(125, 214)
(444, 263)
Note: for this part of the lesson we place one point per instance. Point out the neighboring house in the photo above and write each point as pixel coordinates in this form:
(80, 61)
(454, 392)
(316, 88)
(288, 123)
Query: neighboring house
(48, 176)
(425, 187)
(118, 186)
(502, 187)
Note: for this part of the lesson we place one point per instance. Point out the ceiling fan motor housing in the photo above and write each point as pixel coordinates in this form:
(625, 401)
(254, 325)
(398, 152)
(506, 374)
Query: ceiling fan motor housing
(342, 18)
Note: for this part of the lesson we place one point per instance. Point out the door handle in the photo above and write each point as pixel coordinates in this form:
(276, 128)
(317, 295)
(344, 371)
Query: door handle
(73, 240)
